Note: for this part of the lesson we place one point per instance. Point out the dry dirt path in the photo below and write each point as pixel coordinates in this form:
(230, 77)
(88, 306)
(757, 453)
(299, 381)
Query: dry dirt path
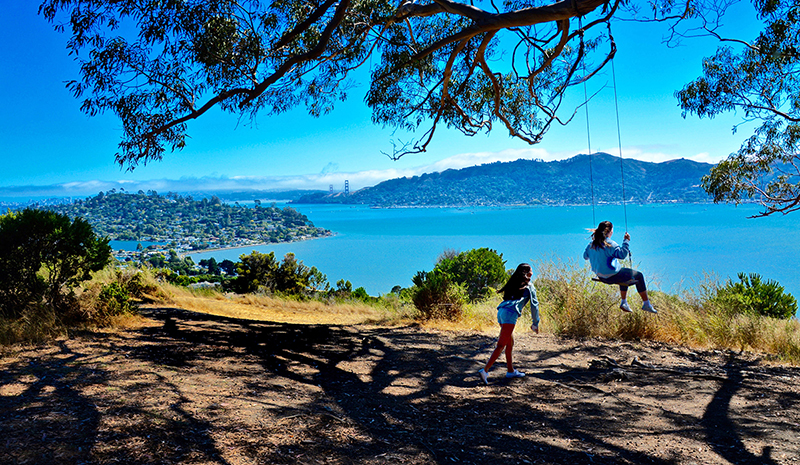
(196, 389)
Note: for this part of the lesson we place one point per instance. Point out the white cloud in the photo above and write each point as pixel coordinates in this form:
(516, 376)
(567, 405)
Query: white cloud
(329, 176)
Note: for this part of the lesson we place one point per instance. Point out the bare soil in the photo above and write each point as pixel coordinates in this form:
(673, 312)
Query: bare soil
(189, 388)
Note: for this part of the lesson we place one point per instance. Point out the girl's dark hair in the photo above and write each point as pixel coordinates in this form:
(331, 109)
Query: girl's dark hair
(517, 283)
(599, 235)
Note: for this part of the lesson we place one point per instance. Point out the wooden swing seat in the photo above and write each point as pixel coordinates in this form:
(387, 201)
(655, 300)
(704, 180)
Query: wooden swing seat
(626, 283)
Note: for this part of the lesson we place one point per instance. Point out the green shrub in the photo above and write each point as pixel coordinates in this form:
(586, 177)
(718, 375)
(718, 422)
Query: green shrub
(479, 271)
(756, 296)
(360, 293)
(43, 256)
(262, 272)
(436, 296)
(114, 300)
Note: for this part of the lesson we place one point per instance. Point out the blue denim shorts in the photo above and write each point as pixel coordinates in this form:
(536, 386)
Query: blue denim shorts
(506, 316)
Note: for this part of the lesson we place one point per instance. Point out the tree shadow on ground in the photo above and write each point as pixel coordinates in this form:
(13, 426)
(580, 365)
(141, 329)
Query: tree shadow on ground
(331, 394)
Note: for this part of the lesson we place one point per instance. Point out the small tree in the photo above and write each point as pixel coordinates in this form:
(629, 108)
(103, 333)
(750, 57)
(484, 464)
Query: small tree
(261, 271)
(42, 255)
(480, 271)
(228, 266)
(436, 296)
(254, 270)
(754, 295)
(293, 277)
(343, 289)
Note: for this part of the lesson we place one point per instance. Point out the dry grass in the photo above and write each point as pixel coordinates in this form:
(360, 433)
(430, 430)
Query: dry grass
(278, 309)
(571, 304)
(574, 305)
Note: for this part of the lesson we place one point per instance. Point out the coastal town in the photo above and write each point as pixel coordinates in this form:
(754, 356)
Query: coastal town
(144, 224)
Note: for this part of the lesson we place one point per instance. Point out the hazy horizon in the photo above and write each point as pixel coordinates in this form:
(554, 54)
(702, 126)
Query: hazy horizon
(221, 184)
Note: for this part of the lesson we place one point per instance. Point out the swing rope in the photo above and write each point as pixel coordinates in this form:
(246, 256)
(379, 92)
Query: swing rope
(619, 144)
(588, 132)
(619, 140)
(589, 137)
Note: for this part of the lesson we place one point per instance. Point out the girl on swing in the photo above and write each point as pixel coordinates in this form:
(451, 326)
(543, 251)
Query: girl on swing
(603, 253)
(517, 292)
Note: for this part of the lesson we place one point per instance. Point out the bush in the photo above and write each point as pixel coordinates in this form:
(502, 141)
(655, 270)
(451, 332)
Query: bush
(137, 285)
(436, 296)
(43, 256)
(755, 296)
(361, 294)
(480, 271)
(259, 271)
(114, 300)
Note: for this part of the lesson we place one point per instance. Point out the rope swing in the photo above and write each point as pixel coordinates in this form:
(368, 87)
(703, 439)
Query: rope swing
(619, 139)
(619, 146)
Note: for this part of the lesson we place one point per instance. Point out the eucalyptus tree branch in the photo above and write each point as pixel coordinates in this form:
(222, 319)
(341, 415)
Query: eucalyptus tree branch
(311, 54)
(304, 25)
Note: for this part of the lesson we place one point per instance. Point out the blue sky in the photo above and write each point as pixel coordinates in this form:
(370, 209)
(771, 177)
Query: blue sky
(49, 148)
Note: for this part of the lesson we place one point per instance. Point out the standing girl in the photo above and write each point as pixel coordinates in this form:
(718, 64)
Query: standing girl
(517, 292)
(603, 253)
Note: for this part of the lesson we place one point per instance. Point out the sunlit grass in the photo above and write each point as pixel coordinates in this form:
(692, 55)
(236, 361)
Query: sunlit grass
(571, 305)
(282, 309)
(574, 305)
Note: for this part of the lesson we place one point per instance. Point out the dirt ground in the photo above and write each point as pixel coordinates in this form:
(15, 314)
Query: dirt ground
(190, 388)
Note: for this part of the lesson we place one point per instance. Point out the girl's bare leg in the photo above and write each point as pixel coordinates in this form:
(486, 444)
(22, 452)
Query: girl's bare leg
(506, 336)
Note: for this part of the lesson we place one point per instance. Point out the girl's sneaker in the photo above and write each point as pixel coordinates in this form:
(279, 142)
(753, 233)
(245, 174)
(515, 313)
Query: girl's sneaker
(484, 376)
(515, 374)
(648, 307)
(625, 307)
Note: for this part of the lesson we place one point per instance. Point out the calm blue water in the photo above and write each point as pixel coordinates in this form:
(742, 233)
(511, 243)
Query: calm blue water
(131, 246)
(674, 245)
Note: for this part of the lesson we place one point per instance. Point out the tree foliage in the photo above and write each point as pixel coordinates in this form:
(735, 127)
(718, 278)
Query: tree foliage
(456, 279)
(481, 271)
(470, 66)
(159, 64)
(259, 271)
(42, 255)
(761, 79)
(754, 295)
(436, 295)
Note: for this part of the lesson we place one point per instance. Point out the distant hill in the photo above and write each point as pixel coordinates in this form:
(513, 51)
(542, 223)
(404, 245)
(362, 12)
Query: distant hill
(530, 182)
(263, 195)
(188, 223)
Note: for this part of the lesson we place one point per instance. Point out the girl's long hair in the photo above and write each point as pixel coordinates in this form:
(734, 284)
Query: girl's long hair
(599, 235)
(517, 283)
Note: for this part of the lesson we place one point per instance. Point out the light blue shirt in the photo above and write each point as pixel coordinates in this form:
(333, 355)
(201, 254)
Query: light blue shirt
(528, 295)
(604, 261)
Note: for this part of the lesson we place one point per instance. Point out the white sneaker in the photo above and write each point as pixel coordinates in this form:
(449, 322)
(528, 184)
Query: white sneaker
(648, 307)
(625, 307)
(484, 376)
(515, 374)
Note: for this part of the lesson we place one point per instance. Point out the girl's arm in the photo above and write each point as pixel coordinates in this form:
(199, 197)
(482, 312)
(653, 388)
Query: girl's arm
(621, 252)
(534, 301)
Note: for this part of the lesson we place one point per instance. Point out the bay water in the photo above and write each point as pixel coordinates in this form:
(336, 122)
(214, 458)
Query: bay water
(675, 245)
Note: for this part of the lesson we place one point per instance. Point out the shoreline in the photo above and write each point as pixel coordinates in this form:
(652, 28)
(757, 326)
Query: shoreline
(258, 244)
(509, 205)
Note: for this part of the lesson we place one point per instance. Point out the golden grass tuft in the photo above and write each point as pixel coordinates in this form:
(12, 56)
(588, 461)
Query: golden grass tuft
(571, 304)
(280, 309)
(574, 305)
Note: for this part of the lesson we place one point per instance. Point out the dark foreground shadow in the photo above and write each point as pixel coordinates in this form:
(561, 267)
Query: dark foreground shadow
(439, 413)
